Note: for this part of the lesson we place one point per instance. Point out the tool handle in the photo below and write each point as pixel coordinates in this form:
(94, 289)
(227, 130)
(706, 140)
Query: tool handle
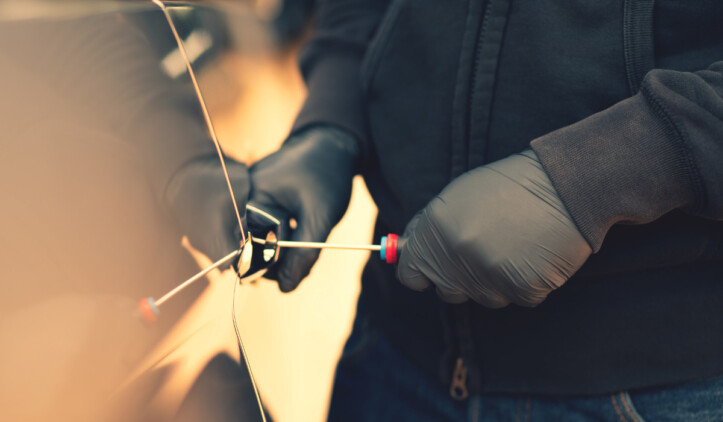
(392, 246)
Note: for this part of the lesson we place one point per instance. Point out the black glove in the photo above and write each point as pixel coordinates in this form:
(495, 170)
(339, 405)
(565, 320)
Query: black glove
(497, 234)
(308, 179)
(199, 198)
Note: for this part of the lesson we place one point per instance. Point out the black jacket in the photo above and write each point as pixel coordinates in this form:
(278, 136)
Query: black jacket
(621, 100)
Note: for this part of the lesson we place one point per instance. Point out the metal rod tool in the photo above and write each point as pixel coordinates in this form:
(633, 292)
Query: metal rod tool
(389, 247)
(315, 245)
(149, 307)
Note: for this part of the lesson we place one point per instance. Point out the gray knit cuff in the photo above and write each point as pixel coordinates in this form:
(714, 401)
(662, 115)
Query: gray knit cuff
(623, 165)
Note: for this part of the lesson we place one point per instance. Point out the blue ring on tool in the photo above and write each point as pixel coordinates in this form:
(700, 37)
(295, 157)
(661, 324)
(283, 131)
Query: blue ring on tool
(383, 251)
(153, 306)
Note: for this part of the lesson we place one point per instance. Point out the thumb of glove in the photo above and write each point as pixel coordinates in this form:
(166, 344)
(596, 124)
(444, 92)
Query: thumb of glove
(409, 273)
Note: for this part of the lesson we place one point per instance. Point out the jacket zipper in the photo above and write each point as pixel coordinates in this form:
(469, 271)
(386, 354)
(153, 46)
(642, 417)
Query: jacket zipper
(475, 75)
(458, 385)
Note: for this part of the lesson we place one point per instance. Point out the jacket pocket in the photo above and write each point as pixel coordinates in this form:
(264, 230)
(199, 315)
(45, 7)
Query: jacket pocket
(378, 44)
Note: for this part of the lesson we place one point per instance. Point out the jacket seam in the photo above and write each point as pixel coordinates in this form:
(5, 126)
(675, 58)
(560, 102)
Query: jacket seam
(680, 137)
(637, 41)
(378, 46)
(461, 96)
(493, 88)
(462, 314)
(474, 80)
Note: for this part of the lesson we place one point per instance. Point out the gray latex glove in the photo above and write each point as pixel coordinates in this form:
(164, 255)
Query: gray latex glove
(308, 179)
(498, 234)
(199, 198)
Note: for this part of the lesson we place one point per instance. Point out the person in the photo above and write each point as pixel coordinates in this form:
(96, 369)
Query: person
(555, 169)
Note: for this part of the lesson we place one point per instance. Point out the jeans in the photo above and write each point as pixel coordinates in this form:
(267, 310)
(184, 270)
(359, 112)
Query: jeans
(374, 382)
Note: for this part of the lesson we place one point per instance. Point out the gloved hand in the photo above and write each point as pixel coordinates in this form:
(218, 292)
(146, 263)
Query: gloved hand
(199, 198)
(498, 234)
(308, 179)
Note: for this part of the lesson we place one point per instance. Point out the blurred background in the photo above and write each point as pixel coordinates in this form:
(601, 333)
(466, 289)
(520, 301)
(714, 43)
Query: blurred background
(83, 237)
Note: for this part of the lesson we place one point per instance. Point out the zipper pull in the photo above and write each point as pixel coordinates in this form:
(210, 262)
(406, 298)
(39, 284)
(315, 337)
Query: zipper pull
(458, 388)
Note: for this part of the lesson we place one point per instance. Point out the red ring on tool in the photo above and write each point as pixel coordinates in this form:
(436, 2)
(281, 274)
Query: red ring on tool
(147, 310)
(391, 249)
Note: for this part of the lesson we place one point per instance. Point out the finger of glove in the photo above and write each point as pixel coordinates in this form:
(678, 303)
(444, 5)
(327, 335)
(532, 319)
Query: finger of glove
(451, 295)
(531, 295)
(408, 272)
(492, 301)
(297, 263)
(410, 276)
(412, 224)
(294, 264)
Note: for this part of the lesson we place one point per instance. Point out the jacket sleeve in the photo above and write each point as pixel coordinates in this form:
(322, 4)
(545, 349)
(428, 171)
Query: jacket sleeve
(659, 150)
(330, 64)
